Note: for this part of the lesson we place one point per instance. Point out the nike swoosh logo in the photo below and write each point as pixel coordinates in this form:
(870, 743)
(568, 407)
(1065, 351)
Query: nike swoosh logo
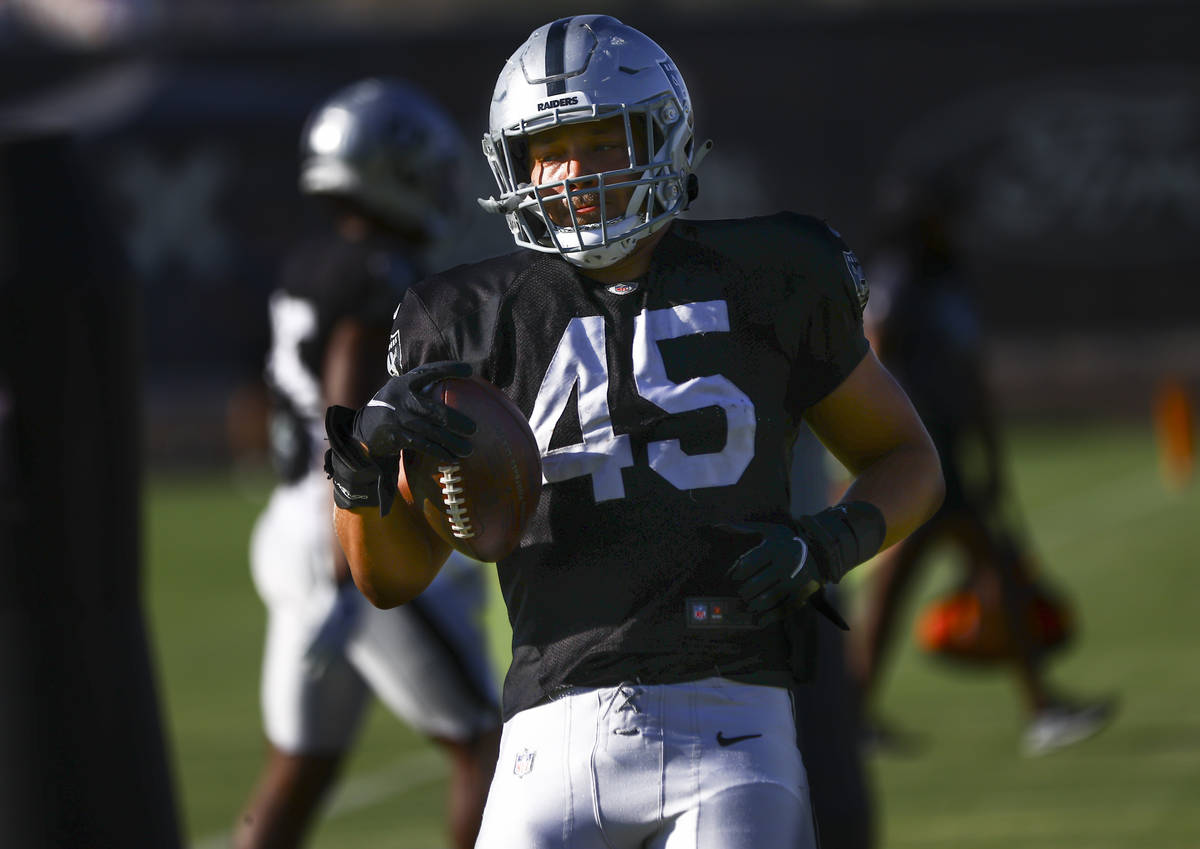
(722, 740)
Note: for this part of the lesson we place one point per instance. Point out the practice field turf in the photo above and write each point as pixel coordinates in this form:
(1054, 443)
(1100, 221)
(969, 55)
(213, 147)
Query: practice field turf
(1108, 530)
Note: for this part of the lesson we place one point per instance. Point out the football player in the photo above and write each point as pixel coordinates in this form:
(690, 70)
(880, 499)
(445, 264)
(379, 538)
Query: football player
(662, 599)
(925, 326)
(384, 157)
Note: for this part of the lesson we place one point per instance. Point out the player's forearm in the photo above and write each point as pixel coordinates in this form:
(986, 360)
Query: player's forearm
(872, 428)
(341, 568)
(393, 558)
(905, 484)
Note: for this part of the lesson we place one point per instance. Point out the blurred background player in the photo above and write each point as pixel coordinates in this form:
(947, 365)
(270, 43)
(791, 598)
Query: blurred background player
(923, 324)
(385, 158)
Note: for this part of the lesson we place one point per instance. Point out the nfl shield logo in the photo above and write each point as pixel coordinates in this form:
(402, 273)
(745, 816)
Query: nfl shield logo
(700, 612)
(523, 764)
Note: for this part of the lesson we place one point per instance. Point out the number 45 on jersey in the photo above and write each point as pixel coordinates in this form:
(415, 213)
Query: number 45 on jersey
(580, 360)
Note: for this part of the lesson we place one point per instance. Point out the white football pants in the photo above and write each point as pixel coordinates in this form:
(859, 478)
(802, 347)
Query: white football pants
(709, 764)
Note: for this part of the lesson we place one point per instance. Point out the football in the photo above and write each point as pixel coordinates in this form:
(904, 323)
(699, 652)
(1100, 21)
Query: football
(481, 503)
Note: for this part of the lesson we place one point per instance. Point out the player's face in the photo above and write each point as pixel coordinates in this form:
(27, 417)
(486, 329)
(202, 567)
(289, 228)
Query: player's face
(577, 150)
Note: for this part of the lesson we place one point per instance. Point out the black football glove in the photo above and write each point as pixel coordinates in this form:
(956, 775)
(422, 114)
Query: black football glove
(791, 564)
(778, 574)
(359, 480)
(402, 415)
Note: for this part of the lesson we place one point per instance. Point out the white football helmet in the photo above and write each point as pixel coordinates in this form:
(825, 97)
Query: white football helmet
(388, 147)
(591, 68)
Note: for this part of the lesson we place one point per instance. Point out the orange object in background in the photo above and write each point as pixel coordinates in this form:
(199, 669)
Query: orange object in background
(969, 624)
(1175, 425)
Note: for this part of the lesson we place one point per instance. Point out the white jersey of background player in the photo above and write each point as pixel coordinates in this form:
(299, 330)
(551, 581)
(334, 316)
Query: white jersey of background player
(385, 158)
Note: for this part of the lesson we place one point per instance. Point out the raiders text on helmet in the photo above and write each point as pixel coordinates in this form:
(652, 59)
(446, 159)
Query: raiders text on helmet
(389, 148)
(591, 68)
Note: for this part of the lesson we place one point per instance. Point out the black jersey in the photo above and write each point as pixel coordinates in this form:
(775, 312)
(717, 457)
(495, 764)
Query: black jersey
(662, 407)
(322, 283)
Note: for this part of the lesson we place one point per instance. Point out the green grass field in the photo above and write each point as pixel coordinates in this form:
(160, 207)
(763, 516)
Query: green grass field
(1105, 525)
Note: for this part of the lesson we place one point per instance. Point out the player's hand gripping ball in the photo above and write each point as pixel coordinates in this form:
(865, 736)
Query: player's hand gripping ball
(481, 503)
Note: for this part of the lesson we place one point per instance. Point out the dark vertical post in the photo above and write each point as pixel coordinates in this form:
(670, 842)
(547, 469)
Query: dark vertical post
(82, 755)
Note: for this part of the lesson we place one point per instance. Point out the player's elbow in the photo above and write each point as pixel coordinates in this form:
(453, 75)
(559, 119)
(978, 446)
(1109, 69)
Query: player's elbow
(386, 591)
(383, 598)
(389, 568)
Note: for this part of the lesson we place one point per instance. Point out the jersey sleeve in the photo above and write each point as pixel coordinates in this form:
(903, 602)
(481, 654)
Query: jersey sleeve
(415, 338)
(822, 321)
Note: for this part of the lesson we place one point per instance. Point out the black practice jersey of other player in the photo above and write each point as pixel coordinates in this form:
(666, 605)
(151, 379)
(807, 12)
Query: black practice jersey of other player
(931, 340)
(662, 407)
(322, 283)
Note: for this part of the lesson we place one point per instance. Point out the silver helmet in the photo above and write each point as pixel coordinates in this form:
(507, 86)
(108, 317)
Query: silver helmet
(389, 148)
(592, 68)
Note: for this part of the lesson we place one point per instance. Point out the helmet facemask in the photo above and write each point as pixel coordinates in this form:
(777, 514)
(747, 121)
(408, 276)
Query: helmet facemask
(658, 140)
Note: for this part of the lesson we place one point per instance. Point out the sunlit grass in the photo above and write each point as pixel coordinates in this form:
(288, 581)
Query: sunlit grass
(1105, 526)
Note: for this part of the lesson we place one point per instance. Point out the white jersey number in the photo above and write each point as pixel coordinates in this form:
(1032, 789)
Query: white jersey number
(580, 361)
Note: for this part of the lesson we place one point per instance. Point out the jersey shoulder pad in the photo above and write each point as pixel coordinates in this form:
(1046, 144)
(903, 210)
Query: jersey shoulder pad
(839, 259)
(788, 241)
(453, 314)
(463, 290)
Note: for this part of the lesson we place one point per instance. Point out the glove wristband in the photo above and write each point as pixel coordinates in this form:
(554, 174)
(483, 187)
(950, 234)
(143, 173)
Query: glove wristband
(359, 480)
(850, 533)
